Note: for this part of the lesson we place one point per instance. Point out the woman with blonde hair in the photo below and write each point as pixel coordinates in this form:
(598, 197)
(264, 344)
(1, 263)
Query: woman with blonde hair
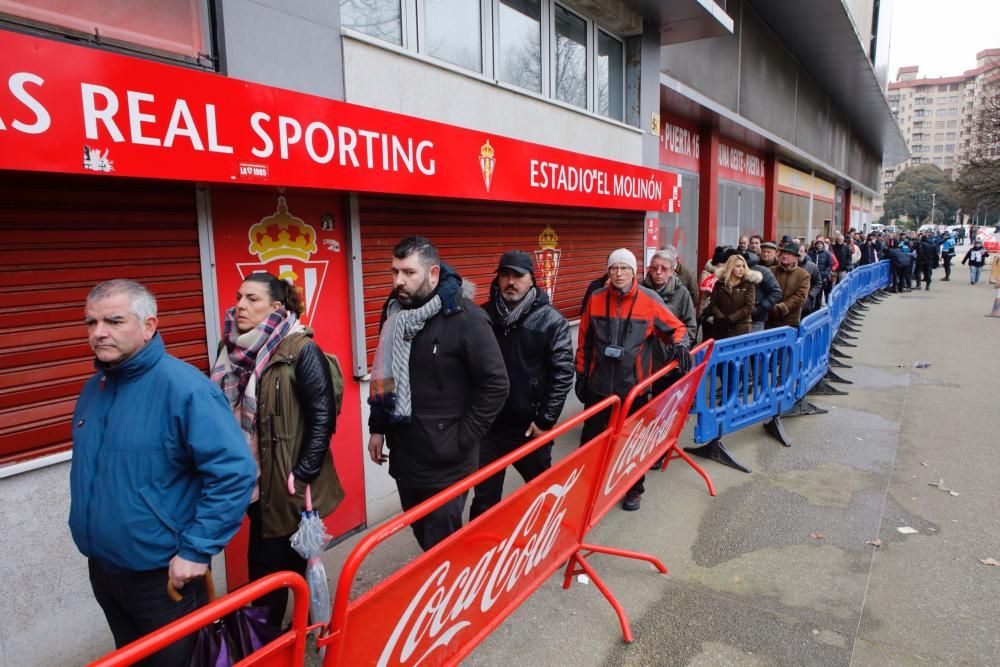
(733, 298)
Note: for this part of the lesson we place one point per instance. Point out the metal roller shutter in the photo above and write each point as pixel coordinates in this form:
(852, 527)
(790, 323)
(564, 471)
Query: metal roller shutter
(62, 235)
(471, 236)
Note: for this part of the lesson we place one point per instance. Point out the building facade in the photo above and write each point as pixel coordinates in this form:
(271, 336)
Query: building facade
(188, 144)
(937, 115)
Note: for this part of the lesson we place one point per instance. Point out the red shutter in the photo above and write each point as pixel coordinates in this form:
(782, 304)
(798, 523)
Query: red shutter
(471, 236)
(61, 236)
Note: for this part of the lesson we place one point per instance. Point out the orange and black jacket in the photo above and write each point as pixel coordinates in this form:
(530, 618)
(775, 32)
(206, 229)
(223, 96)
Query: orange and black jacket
(632, 321)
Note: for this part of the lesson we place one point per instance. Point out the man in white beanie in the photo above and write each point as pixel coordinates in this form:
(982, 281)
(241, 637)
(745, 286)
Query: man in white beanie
(618, 327)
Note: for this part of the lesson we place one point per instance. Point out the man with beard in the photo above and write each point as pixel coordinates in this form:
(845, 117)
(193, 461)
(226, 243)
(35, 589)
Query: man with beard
(537, 351)
(438, 382)
(618, 331)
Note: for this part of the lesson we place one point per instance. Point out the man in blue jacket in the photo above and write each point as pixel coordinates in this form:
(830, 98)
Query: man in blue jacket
(161, 474)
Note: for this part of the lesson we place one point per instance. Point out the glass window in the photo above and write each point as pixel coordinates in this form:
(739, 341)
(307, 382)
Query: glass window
(378, 18)
(453, 32)
(610, 76)
(520, 43)
(950, 148)
(173, 27)
(570, 75)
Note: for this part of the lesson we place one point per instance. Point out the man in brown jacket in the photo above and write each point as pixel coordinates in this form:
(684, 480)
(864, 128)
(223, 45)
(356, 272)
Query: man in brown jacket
(794, 282)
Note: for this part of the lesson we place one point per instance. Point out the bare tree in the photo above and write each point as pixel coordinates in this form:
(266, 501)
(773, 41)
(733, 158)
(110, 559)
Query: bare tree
(979, 179)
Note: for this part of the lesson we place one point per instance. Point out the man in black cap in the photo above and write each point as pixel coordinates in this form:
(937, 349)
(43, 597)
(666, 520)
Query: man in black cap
(537, 350)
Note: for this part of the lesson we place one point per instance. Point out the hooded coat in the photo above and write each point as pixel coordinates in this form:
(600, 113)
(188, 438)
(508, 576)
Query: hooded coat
(732, 306)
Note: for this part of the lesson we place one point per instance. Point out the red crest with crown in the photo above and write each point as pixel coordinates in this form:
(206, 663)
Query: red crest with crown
(285, 244)
(547, 260)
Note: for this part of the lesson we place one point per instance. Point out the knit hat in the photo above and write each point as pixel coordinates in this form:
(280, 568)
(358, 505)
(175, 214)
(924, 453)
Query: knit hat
(622, 256)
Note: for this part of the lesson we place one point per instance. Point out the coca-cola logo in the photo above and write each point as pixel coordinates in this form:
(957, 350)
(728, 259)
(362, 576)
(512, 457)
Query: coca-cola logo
(642, 440)
(436, 613)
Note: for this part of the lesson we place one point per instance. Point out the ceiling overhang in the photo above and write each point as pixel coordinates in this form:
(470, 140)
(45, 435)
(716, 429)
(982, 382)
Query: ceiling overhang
(686, 20)
(823, 38)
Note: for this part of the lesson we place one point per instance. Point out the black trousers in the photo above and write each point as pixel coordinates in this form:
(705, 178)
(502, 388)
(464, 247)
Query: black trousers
(437, 525)
(596, 424)
(924, 271)
(266, 555)
(946, 261)
(136, 603)
(494, 446)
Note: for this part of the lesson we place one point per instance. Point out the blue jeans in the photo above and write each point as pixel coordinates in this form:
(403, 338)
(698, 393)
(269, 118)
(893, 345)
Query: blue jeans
(974, 274)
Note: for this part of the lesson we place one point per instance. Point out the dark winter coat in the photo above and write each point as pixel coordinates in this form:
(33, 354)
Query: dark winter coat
(295, 421)
(815, 284)
(689, 281)
(976, 256)
(869, 254)
(768, 293)
(678, 302)
(538, 355)
(592, 287)
(927, 253)
(900, 258)
(732, 307)
(458, 385)
(824, 262)
(842, 253)
(794, 284)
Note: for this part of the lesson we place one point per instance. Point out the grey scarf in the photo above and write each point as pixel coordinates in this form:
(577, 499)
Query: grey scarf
(390, 384)
(512, 316)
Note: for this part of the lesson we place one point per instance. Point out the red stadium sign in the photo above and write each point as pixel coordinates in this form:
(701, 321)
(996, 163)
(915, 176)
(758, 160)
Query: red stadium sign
(73, 109)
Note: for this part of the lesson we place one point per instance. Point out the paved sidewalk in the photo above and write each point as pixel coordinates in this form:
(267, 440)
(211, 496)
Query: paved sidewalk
(776, 570)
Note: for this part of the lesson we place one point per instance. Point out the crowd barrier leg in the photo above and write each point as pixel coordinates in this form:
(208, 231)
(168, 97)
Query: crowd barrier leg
(716, 451)
(578, 565)
(804, 408)
(676, 453)
(776, 429)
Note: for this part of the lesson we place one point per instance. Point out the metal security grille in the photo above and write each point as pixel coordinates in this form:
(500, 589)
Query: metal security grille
(471, 236)
(61, 236)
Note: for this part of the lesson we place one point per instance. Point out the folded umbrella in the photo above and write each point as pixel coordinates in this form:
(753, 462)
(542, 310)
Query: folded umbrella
(310, 541)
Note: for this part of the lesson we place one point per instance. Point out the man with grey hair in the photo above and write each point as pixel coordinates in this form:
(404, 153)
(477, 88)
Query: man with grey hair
(161, 475)
(685, 274)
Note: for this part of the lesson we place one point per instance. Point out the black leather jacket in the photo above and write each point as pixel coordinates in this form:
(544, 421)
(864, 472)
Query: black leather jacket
(538, 354)
(314, 391)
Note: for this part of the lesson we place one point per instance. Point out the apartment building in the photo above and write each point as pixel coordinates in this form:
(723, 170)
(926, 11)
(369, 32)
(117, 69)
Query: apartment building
(937, 115)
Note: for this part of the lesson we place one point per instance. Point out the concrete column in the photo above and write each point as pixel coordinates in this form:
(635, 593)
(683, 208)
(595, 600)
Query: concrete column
(708, 195)
(770, 197)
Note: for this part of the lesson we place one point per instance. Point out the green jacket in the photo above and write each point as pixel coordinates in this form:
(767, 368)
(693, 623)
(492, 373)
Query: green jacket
(281, 430)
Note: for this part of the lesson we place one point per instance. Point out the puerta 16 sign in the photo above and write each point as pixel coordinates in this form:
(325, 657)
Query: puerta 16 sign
(73, 109)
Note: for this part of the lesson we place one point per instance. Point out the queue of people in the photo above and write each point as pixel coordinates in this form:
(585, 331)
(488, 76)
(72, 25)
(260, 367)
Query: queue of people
(454, 387)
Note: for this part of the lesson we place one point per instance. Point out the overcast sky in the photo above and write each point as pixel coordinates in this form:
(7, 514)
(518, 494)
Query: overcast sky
(942, 36)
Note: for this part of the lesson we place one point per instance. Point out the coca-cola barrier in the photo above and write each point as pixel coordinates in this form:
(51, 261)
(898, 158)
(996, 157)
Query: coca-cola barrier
(440, 606)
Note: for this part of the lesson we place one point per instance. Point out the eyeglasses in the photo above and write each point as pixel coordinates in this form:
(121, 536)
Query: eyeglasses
(659, 268)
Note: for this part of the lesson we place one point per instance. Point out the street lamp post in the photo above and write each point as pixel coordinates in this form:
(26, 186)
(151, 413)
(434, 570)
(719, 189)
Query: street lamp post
(933, 204)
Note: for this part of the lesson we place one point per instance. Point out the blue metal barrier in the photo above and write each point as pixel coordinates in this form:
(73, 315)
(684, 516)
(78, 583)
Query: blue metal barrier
(758, 376)
(815, 334)
(749, 378)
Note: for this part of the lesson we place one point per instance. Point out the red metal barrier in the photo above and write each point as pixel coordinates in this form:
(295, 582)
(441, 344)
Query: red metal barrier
(639, 440)
(286, 650)
(439, 607)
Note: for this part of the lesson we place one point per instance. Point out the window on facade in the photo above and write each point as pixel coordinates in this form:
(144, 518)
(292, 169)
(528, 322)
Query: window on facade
(953, 111)
(940, 112)
(570, 75)
(952, 123)
(943, 88)
(519, 36)
(950, 148)
(939, 148)
(953, 86)
(379, 18)
(949, 135)
(939, 123)
(170, 27)
(452, 31)
(609, 77)
(938, 161)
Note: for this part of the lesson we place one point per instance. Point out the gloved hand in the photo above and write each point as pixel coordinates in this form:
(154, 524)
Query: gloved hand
(682, 356)
(581, 387)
